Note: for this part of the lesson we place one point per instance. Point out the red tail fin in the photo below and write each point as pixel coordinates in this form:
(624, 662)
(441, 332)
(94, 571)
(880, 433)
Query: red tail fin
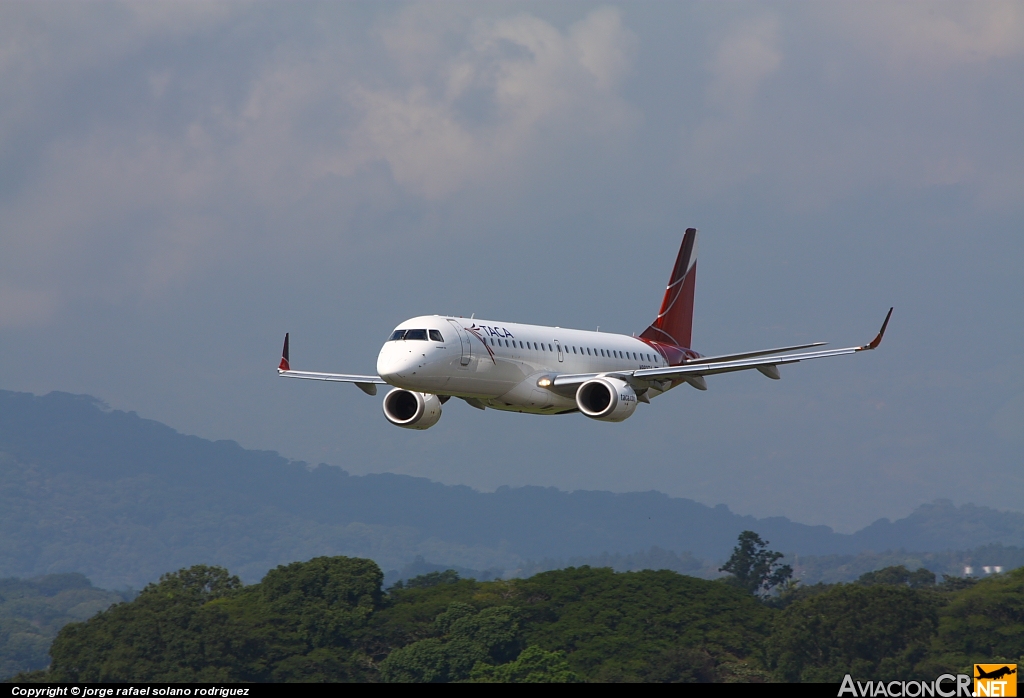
(284, 366)
(674, 323)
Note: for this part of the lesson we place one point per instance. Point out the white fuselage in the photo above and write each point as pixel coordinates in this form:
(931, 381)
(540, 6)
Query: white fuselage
(499, 364)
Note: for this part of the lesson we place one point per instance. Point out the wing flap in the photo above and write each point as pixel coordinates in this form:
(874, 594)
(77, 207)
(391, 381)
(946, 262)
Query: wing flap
(709, 366)
(752, 354)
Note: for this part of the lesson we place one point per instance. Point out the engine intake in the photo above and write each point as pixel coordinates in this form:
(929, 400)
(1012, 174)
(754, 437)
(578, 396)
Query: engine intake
(606, 399)
(410, 410)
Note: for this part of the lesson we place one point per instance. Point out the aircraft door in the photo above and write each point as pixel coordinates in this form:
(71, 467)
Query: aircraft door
(467, 348)
(558, 346)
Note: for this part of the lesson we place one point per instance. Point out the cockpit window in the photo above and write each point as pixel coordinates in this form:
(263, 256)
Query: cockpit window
(414, 334)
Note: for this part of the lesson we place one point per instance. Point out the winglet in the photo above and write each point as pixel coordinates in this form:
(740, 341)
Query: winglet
(878, 340)
(284, 366)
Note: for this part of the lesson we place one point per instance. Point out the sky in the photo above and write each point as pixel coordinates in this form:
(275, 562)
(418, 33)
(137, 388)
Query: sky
(181, 184)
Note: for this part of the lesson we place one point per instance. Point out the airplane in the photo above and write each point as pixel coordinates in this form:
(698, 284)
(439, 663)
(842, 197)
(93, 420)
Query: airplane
(551, 370)
(995, 673)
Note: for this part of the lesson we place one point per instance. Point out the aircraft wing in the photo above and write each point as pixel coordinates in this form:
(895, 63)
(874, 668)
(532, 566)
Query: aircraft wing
(368, 384)
(694, 370)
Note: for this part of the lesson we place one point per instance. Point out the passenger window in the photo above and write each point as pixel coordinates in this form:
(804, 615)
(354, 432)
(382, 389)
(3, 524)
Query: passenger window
(506, 343)
(436, 336)
(416, 334)
(574, 350)
(549, 348)
(396, 335)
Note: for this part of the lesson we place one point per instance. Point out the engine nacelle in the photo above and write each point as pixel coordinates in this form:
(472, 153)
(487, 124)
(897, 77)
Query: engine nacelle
(607, 399)
(410, 410)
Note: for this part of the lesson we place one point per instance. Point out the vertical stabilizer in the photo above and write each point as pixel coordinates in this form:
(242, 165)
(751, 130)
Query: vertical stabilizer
(674, 323)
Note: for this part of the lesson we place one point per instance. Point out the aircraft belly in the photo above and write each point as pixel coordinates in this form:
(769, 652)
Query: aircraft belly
(528, 397)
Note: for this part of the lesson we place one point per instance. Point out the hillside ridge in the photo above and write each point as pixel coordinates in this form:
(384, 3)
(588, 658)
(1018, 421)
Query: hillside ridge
(122, 499)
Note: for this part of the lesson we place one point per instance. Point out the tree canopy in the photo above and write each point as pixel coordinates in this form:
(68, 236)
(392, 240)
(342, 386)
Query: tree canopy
(328, 620)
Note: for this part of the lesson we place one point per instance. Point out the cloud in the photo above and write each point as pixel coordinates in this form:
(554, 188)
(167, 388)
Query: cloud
(818, 106)
(187, 167)
(483, 114)
(929, 39)
(743, 61)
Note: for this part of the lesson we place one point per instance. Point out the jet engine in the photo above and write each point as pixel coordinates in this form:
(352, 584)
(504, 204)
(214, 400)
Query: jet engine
(607, 399)
(410, 410)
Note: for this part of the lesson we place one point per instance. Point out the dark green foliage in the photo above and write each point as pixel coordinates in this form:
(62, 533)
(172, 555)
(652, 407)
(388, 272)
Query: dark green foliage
(534, 665)
(33, 610)
(681, 665)
(753, 567)
(164, 634)
(898, 576)
(871, 632)
(431, 579)
(983, 621)
(643, 626)
(326, 620)
(199, 624)
(614, 627)
(956, 583)
(467, 638)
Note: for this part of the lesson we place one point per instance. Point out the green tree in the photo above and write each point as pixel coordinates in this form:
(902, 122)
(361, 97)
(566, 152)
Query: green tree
(165, 634)
(301, 623)
(430, 579)
(626, 626)
(871, 632)
(982, 622)
(533, 665)
(468, 637)
(898, 575)
(755, 568)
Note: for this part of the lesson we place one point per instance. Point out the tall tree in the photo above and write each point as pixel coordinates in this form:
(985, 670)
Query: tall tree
(754, 567)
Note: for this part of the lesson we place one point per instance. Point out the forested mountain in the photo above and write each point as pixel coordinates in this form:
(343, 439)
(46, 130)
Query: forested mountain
(122, 499)
(33, 610)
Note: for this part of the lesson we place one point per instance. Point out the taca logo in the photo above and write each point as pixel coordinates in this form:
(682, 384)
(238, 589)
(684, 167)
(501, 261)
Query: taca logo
(493, 331)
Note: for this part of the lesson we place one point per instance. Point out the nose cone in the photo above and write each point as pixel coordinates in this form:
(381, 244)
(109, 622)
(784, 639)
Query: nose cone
(395, 361)
(386, 361)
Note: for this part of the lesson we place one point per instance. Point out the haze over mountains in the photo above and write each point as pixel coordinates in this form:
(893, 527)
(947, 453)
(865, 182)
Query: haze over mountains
(124, 499)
